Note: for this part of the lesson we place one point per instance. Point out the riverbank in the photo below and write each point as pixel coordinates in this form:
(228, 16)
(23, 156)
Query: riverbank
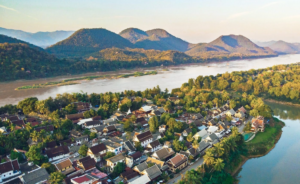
(262, 144)
(281, 102)
(74, 81)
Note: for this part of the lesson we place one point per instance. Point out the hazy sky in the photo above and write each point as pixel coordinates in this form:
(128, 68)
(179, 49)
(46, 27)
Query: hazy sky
(192, 20)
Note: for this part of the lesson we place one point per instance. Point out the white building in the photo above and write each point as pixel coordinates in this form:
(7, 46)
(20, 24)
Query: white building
(9, 169)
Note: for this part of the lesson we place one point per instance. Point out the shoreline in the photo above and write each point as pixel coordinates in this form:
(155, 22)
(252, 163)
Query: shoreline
(281, 102)
(137, 69)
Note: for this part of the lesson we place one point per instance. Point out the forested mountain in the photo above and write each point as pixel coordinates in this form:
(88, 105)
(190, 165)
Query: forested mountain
(115, 54)
(157, 39)
(230, 46)
(87, 41)
(7, 39)
(20, 61)
(41, 39)
(282, 47)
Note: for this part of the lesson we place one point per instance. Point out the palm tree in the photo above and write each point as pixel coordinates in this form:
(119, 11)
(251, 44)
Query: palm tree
(2, 140)
(192, 177)
(226, 145)
(235, 131)
(208, 158)
(219, 165)
(219, 149)
(232, 143)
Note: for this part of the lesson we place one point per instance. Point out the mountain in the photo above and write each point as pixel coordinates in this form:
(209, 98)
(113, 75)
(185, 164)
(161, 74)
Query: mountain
(282, 47)
(21, 61)
(41, 39)
(157, 39)
(141, 55)
(230, 46)
(133, 34)
(87, 41)
(7, 39)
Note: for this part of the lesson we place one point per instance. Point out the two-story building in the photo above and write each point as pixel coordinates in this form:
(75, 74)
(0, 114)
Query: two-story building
(9, 169)
(64, 166)
(96, 152)
(144, 138)
(91, 124)
(153, 146)
(86, 163)
(178, 162)
(58, 152)
(113, 161)
(113, 146)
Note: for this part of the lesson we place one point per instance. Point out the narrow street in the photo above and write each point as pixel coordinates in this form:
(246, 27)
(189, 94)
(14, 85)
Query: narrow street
(177, 177)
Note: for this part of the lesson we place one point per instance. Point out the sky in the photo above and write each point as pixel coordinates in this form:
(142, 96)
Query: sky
(195, 21)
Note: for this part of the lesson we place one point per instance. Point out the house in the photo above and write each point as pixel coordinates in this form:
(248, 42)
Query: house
(152, 172)
(84, 179)
(161, 164)
(75, 117)
(51, 144)
(162, 128)
(64, 166)
(78, 137)
(11, 118)
(203, 145)
(257, 124)
(194, 152)
(113, 146)
(203, 134)
(113, 161)
(224, 125)
(141, 167)
(239, 114)
(109, 130)
(163, 154)
(91, 124)
(242, 109)
(37, 176)
(212, 138)
(33, 121)
(186, 132)
(48, 129)
(161, 110)
(86, 163)
(57, 153)
(132, 159)
(212, 129)
(153, 146)
(154, 113)
(98, 129)
(19, 123)
(129, 175)
(129, 147)
(196, 116)
(3, 130)
(167, 144)
(144, 179)
(144, 138)
(9, 169)
(68, 142)
(230, 113)
(178, 162)
(96, 152)
(82, 106)
(146, 108)
(211, 122)
(179, 135)
(110, 121)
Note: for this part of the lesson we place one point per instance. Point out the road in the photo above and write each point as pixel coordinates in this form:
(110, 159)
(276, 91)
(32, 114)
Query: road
(177, 177)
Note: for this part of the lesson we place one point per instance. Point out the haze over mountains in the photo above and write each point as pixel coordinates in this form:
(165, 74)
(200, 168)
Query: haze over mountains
(282, 47)
(41, 39)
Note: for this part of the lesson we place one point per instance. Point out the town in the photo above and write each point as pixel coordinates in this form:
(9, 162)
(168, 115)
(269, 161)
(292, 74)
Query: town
(155, 143)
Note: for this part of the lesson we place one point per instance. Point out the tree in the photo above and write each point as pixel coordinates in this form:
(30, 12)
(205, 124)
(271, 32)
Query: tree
(195, 144)
(93, 135)
(27, 105)
(83, 150)
(34, 155)
(16, 155)
(218, 164)
(118, 169)
(49, 167)
(191, 177)
(208, 158)
(153, 124)
(56, 178)
(219, 149)
(254, 112)
(128, 135)
(138, 146)
(190, 138)
(109, 154)
(35, 136)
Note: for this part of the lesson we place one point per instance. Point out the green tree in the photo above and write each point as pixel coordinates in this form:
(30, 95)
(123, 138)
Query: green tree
(153, 124)
(16, 155)
(118, 169)
(56, 178)
(34, 155)
(138, 146)
(27, 105)
(109, 154)
(49, 167)
(219, 165)
(93, 135)
(83, 150)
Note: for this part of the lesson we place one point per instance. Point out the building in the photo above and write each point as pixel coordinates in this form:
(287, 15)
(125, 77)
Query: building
(64, 166)
(257, 124)
(91, 124)
(84, 179)
(113, 146)
(134, 158)
(212, 138)
(203, 134)
(58, 152)
(75, 117)
(48, 129)
(163, 154)
(152, 172)
(9, 169)
(109, 130)
(178, 162)
(161, 164)
(98, 129)
(96, 152)
(144, 179)
(141, 167)
(144, 138)
(153, 146)
(186, 132)
(86, 163)
(113, 161)
(230, 113)
(129, 175)
(129, 147)
(203, 145)
(78, 137)
(37, 176)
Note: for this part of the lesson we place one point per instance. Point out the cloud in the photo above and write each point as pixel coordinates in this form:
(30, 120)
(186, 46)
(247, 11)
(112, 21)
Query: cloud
(11, 9)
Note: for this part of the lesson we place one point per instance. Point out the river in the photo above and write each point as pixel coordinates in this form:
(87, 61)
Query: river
(281, 165)
(165, 79)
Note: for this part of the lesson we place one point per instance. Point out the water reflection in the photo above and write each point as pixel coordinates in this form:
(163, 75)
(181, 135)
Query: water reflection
(281, 165)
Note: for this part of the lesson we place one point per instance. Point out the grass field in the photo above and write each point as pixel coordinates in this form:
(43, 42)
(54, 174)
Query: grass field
(264, 136)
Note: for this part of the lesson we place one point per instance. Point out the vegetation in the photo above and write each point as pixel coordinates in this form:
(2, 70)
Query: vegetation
(56, 178)
(83, 150)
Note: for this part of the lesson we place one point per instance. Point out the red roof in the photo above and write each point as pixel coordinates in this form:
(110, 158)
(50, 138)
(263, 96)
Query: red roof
(81, 179)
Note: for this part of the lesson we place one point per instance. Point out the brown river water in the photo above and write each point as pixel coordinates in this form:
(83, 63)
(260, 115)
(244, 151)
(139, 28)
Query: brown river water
(173, 78)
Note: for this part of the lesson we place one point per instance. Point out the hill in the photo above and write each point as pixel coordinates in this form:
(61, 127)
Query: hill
(87, 41)
(141, 55)
(282, 47)
(265, 44)
(7, 39)
(230, 46)
(157, 39)
(20, 61)
(41, 39)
